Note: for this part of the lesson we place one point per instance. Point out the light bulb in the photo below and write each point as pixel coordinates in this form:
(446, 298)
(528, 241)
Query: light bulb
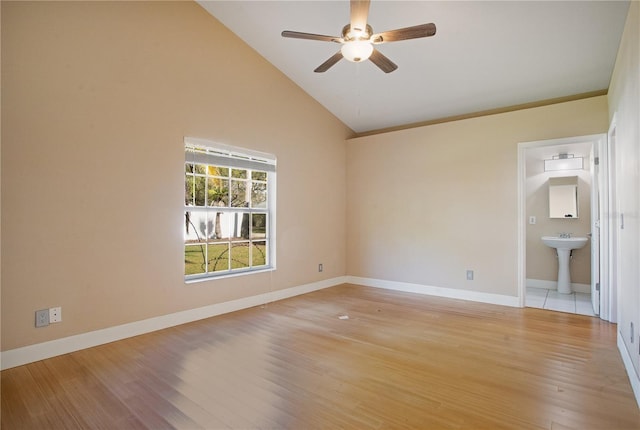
(357, 50)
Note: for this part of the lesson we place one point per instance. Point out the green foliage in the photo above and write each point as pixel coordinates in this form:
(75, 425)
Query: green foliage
(207, 185)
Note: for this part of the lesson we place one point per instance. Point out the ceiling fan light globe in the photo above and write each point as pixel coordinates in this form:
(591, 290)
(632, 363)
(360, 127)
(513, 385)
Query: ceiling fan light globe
(357, 50)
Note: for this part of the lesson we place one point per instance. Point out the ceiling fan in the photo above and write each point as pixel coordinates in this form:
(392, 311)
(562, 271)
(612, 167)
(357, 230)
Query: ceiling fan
(358, 39)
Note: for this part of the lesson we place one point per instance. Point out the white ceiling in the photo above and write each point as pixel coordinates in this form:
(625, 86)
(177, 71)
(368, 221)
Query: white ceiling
(485, 55)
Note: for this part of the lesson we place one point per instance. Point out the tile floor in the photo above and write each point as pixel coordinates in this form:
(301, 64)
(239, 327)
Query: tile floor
(575, 303)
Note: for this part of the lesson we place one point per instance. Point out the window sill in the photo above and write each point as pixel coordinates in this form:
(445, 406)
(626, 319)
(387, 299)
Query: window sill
(228, 275)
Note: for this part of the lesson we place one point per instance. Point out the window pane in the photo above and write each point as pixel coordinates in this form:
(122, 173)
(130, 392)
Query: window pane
(188, 167)
(194, 259)
(188, 190)
(258, 226)
(259, 253)
(258, 176)
(218, 256)
(239, 173)
(199, 190)
(239, 255)
(195, 227)
(217, 192)
(211, 232)
(220, 228)
(239, 225)
(218, 171)
(239, 194)
(258, 195)
(200, 168)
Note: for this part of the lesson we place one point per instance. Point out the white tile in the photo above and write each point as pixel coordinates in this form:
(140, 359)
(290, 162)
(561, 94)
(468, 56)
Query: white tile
(560, 302)
(536, 292)
(575, 303)
(535, 297)
(534, 301)
(583, 297)
(554, 305)
(584, 308)
(559, 297)
(585, 311)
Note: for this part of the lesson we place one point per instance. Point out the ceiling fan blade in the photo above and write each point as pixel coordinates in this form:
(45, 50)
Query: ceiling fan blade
(415, 32)
(311, 36)
(330, 62)
(359, 14)
(382, 61)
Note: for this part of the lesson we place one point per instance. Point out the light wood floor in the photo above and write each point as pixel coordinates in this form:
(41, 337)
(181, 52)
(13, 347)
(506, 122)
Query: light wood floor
(400, 361)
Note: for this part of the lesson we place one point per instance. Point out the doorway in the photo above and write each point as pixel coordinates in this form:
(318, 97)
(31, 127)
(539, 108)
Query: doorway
(537, 263)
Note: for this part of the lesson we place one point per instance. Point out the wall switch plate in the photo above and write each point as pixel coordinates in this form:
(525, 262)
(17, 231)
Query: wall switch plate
(320, 267)
(42, 318)
(532, 219)
(469, 275)
(55, 315)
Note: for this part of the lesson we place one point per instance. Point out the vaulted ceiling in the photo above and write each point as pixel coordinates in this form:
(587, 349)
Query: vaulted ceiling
(485, 56)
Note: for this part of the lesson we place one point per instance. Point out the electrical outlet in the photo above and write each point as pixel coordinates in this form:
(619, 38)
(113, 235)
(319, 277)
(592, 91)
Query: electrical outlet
(532, 219)
(55, 315)
(320, 267)
(42, 318)
(469, 275)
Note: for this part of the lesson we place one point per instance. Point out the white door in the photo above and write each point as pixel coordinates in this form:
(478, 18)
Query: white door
(608, 227)
(612, 233)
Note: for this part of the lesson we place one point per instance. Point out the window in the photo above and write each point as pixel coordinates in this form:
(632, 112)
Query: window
(229, 210)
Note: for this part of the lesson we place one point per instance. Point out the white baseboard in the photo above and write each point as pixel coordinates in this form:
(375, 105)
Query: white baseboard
(634, 379)
(451, 293)
(553, 285)
(40, 351)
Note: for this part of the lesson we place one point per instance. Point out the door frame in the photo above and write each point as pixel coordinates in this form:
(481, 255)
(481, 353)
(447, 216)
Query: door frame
(598, 142)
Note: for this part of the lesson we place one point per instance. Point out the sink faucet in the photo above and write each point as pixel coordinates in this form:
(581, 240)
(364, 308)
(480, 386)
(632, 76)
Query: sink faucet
(564, 235)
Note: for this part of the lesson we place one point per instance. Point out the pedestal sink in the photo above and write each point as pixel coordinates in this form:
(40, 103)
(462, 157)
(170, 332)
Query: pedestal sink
(563, 246)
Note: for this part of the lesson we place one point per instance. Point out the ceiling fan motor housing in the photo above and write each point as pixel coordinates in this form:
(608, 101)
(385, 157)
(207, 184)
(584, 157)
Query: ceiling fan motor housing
(349, 34)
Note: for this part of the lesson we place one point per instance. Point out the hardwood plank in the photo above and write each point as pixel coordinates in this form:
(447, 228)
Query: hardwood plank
(400, 360)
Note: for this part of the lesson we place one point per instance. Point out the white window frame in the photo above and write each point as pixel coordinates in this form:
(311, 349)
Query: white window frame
(202, 151)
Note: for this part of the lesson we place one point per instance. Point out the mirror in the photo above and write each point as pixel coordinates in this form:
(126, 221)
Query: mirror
(563, 197)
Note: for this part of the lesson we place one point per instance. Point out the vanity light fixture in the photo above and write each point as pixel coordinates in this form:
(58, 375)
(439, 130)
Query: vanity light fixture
(563, 162)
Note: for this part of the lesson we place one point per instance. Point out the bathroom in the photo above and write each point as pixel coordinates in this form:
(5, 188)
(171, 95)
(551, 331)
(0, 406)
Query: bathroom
(567, 167)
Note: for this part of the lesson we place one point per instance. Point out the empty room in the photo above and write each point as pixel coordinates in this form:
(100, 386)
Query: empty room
(320, 214)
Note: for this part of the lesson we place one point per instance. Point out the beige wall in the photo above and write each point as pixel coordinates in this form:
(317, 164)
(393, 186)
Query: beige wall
(426, 204)
(624, 103)
(96, 100)
(542, 262)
